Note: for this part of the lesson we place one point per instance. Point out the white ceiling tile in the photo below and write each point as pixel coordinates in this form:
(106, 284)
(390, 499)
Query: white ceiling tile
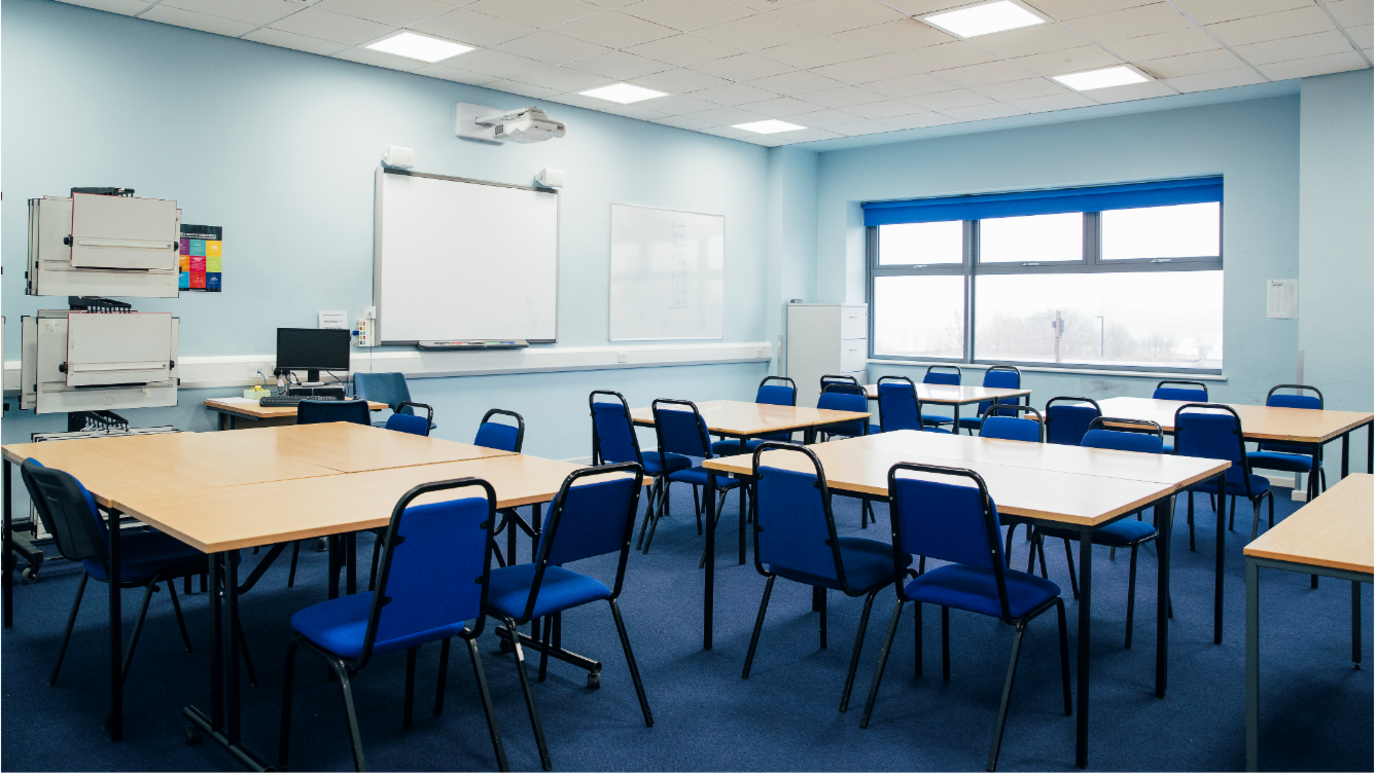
(947, 100)
(1361, 35)
(1193, 64)
(1273, 26)
(1350, 13)
(743, 67)
(861, 71)
(1215, 11)
(687, 16)
(521, 89)
(831, 16)
(886, 109)
(478, 29)
(1288, 49)
(255, 12)
(536, 13)
(563, 79)
(1322, 65)
(1130, 93)
(844, 97)
(734, 94)
(1064, 101)
(498, 63)
(728, 115)
(983, 112)
(550, 46)
(809, 134)
(326, 25)
(753, 33)
(943, 56)
(1131, 22)
(825, 118)
(579, 100)
(1027, 88)
(919, 120)
(397, 13)
(769, 5)
(282, 39)
(451, 74)
(1215, 80)
(380, 59)
(814, 52)
(684, 122)
(893, 36)
(196, 21)
(861, 127)
(796, 82)
(984, 74)
(619, 65)
(731, 133)
(675, 104)
(924, 7)
(635, 111)
(1072, 60)
(683, 50)
(614, 30)
(909, 86)
(679, 81)
(125, 7)
(1164, 44)
(1072, 9)
(603, 3)
(779, 107)
(1031, 40)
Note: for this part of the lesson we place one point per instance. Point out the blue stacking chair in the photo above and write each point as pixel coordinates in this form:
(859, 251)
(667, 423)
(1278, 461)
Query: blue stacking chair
(323, 411)
(500, 435)
(899, 407)
(434, 579)
(995, 423)
(840, 396)
(1068, 418)
(592, 515)
(411, 423)
(387, 388)
(1147, 438)
(1213, 431)
(614, 442)
(831, 378)
(958, 522)
(1289, 457)
(1183, 391)
(682, 432)
(996, 377)
(773, 390)
(948, 375)
(796, 539)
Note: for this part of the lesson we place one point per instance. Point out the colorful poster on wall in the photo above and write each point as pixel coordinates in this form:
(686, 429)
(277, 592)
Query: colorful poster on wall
(201, 250)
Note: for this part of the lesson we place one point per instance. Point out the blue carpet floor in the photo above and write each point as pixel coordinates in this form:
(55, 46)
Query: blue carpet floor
(1316, 711)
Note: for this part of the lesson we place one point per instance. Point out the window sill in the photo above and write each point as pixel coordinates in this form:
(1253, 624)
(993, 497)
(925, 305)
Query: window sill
(1066, 371)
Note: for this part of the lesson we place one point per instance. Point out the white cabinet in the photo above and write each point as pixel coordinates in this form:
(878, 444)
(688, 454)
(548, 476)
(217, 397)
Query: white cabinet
(826, 338)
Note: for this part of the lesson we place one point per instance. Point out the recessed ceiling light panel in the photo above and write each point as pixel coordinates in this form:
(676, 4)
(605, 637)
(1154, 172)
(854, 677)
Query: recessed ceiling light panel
(422, 47)
(1102, 79)
(623, 93)
(769, 127)
(985, 19)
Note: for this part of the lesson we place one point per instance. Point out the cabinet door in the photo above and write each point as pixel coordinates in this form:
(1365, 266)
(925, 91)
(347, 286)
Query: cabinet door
(853, 354)
(855, 322)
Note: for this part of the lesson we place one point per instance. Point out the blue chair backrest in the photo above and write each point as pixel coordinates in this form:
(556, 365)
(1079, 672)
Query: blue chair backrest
(435, 576)
(792, 531)
(941, 377)
(1211, 436)
(493, 434)
(589, 521)
(898, 406)
(1000, 379)
(1309, 402)
(838, 400)
(67, 510)
(1141, 442)
(409, 423)
(321, 411)
(615, 436)
(682, 432)
(1186, 394)
(1067, 424)
(1011, 428)
(775, 394)
(944, 521)
(387, 388)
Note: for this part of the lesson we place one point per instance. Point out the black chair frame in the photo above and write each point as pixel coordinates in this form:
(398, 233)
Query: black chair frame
(1323, 478)
(832, 378)
(429, 413)
(785, 380)
(851, 387)
(1000, 401)
(1046, 410)
(1254, 498)
(995, 409)
(882, 380)
(1176, 382)
(657, 496)
(663, 510)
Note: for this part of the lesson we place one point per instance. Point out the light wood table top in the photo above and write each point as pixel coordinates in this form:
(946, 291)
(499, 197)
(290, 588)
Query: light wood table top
(268, 513)
(1259, 422)
(256, 411)
(1334, 530)
(952, 394)
(731, 417)
(349, 447)
(861, 465)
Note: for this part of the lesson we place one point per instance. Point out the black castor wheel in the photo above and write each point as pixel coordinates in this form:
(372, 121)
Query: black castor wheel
(29, 575)
(594, 680)
(193, 734)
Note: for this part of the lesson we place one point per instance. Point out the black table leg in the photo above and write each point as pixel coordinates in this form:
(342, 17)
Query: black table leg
(1165, 513)
(351, 562)
(1347, 441)
(1313, 487)
(809, 436)
(1370, 446)
(1082, 650)
(709, 496)
(534, 556)
(116, 632)
(8, 561)
(231, 630)
(1218, 560)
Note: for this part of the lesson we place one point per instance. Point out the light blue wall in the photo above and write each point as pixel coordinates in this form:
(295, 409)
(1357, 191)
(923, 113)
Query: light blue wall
(280, 147)
(792, 232)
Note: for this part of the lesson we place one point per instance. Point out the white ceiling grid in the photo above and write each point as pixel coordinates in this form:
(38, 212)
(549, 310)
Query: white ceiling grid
(840, 68)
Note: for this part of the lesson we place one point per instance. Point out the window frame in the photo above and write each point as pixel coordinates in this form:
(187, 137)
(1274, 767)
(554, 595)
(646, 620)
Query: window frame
(970, 267)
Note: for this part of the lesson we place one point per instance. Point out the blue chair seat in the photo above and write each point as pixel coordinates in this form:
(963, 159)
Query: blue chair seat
(1119, 534)
(1276, 460)
(144, 554)
(698, 477)
(974, 590)
(338, 626)
(508, 590)
(674, 462)
(867, 563)
(1260, 486)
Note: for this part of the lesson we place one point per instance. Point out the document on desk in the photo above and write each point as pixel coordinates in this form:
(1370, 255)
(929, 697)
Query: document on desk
(235, 400)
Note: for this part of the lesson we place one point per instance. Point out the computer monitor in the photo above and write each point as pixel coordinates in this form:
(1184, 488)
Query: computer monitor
(312, 350)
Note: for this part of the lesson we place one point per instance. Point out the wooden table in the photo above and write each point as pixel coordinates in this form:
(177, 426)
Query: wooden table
(955, 395)
(1029, 482)
(231, 412)
(1331, 535)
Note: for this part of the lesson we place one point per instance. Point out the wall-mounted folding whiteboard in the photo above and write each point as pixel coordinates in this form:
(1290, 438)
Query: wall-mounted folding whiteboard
(462, 260)
(667, 274)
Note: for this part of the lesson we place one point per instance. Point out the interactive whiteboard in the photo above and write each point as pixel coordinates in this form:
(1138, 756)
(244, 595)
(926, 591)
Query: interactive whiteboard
(667, 274)
(463, 260)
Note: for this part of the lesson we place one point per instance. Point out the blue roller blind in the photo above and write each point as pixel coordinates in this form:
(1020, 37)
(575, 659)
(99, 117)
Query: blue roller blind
(1094, 199)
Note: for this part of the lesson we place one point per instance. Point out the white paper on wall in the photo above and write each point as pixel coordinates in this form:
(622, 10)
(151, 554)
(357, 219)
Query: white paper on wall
(1282, 298)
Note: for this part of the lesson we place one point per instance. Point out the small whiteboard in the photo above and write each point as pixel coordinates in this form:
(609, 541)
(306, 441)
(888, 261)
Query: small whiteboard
(667, 274)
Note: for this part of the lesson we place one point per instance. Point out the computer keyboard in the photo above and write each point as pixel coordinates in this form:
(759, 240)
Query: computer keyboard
(289, 401)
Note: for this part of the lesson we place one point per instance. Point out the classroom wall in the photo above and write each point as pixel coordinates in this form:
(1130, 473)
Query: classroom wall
(792, 233)
(279, 147)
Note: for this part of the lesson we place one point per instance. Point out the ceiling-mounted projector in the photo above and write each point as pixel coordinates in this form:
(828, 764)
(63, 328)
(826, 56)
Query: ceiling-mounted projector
(524, 125)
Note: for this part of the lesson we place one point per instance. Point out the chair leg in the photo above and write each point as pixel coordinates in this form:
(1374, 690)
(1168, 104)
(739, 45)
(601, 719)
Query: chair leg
(855, 653)
(1070, 561)
(291, 573)
(819, 597)
(917, 639)
(409, 699)
(1008, 545)
(1065, 655)
(530, 696)
(138, 629)
(443, 678)
(492, 729)
(284, 733)
(177, 610)
(649, 511)
(248, 661)
(1231, 513)
(662, 512)
(883, 660)
(377, 556)
(546, 638)
(1270, 510)
(350, 715)
(67, 634)
(697, 509)
(945, 644)
(1007, 694)
(1132, 595)
(759, 623)
(630, 662)
(1256, 515)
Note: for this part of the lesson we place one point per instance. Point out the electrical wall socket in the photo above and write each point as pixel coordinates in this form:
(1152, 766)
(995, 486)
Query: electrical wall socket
(621, 357)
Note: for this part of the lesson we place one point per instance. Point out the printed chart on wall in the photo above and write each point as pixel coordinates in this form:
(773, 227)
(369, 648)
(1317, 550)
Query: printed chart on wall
(201, 252)
(667, 274)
